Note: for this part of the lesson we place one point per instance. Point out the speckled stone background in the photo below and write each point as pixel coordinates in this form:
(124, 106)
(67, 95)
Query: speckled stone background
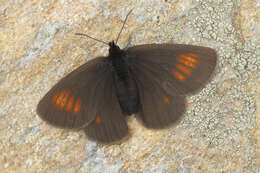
(220, 131)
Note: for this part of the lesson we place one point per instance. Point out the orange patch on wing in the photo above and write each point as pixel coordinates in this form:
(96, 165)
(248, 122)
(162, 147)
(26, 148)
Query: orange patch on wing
(178, 75)
(191, 59)
(64, 99)
(69, 104)
(166, 100)
(150, 111)
(98, 119)
(59, 99)
(55, 97)
(187, 63)
(77, 106)
(183, 69)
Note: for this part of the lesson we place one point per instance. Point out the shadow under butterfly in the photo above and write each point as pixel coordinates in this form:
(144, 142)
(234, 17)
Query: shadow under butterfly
(149, 80)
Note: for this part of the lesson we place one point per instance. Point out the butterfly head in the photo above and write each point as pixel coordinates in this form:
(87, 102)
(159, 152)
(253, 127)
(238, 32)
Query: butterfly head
(114, 50)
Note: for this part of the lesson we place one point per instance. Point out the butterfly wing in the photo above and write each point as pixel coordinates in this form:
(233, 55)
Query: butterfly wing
(158, 108)
(74, 102)
(180, 69)
(164, 74)
(69, 103)
(109, 125)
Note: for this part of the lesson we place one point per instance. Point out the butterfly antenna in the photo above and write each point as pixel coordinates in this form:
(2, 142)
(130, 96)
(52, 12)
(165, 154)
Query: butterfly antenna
(92, 38)
(124, 24)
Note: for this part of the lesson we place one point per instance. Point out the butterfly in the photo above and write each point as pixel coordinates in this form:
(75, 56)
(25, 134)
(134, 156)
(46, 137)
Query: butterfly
(149, 80)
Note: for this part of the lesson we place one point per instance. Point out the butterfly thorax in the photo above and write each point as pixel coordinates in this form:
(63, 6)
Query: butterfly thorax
(126, 87)
(119, 63)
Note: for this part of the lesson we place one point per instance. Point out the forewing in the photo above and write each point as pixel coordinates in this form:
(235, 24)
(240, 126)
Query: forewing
(71, 102)
(109, 125)
(179, 69)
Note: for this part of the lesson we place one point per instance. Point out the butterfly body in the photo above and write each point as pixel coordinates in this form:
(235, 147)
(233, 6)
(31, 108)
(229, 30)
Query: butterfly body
(126, 87)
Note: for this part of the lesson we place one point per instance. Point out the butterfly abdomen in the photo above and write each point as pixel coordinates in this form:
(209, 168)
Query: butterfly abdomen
(127, 94)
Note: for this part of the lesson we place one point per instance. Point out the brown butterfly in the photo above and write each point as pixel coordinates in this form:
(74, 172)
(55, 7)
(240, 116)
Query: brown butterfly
(148, 80)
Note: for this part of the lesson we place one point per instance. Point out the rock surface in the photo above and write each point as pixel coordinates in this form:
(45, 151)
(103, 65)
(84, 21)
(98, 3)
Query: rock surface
(221, 128)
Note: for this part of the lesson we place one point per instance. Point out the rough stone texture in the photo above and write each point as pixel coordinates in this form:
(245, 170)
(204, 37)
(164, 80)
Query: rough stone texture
(221, 128)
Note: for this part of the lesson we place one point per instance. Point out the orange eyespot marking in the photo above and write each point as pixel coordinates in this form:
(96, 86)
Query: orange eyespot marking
(149, 111)
(98, 119)
(55, 97)
(166, 100)
(191, 59)
(59, 99)
(193, 55)
(183, 69)
(187, 63)
(69, 104)
(77, 106)
(178, 75)
(64, 99)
